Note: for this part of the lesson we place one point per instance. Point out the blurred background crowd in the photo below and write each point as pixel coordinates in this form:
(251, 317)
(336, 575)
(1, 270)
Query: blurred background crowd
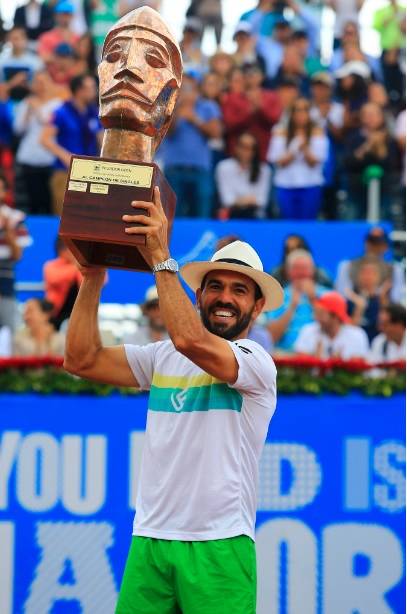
(286, 124)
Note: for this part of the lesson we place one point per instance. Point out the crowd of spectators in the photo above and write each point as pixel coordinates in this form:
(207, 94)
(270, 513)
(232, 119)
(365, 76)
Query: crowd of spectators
(272, 129)
(266, 131)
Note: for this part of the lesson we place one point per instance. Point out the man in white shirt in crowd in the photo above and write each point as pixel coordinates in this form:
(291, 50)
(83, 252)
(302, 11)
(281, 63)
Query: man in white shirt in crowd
(212, 395)
(17, 65)
(390, 344)
(332, 335)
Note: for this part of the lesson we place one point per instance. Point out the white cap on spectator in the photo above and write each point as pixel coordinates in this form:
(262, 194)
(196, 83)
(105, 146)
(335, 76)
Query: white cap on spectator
(356, 67)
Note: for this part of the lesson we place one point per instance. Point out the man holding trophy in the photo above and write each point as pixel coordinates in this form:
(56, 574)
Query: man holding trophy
(212, 391)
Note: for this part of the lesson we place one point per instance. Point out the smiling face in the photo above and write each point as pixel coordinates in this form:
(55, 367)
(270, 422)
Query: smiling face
(140, 75)
(228, 303)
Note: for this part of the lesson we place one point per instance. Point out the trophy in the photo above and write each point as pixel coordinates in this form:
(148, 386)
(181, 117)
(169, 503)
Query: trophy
(139, 79)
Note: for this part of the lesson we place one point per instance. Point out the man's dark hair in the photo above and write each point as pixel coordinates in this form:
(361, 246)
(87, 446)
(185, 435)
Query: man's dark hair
(257, 291)
(76, 83)
(44, 305)
(396, 313)
(281, 24)
(302, 244)
(300, 35)
(255, 163)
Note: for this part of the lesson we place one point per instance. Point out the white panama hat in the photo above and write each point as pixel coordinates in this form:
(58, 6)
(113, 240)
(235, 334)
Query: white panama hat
(242, 258)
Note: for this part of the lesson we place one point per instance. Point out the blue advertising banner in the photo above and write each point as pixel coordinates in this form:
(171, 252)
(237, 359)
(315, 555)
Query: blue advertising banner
(196, 240)
(331, 502)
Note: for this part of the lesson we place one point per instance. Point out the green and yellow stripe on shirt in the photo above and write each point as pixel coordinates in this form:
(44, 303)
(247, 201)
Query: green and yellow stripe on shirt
(178, 394)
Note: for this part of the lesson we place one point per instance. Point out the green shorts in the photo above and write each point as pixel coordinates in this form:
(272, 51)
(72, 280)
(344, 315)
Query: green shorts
(174, 577)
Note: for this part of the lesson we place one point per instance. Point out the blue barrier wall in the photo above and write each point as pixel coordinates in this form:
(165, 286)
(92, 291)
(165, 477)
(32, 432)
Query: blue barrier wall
(330, 524)
(196, 239)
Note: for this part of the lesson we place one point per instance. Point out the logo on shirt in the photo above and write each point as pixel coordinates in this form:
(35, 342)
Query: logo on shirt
(178, 399)
(245, 350)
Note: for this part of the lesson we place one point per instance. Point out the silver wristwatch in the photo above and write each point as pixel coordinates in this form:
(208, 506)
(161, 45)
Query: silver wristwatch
(168, 265)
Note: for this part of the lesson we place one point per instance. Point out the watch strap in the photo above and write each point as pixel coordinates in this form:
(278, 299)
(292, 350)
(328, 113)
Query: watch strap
(167, 265)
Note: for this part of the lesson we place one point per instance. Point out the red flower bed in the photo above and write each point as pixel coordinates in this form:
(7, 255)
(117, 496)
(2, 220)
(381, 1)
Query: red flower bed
(293, 362)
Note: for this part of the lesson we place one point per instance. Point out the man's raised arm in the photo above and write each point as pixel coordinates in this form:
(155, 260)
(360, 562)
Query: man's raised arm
(84, 352)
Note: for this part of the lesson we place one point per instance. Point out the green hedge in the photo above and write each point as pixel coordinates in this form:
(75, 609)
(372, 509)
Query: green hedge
(51, 380)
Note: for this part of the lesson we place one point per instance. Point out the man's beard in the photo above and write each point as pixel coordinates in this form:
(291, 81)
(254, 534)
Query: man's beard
(221, 329)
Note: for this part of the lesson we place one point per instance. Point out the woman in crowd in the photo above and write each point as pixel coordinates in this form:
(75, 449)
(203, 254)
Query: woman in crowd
(370, 145)
(298, 151)
(35, 161)
(85, 52)
(38, 337)
(243, 181)
(353, 84)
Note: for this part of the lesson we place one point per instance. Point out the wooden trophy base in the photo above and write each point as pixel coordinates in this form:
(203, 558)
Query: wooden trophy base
(99, 192)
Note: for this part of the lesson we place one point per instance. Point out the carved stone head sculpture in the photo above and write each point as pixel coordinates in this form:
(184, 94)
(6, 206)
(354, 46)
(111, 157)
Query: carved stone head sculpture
(140, 75)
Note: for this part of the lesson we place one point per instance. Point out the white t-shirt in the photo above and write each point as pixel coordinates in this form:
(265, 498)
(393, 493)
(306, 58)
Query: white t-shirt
(384, 350)
(30, 150)
(350, 342)
(203, 442)
(297, 174)
(233, 182)
(336, 115)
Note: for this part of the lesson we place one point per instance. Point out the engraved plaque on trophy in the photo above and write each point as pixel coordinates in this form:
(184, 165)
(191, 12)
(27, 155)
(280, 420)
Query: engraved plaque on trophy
(139, 80)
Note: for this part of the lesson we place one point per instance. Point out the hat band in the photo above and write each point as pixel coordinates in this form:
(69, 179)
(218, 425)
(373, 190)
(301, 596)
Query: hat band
(233, 261)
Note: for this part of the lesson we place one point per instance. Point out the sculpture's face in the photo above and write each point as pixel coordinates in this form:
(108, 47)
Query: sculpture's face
(138, 87)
